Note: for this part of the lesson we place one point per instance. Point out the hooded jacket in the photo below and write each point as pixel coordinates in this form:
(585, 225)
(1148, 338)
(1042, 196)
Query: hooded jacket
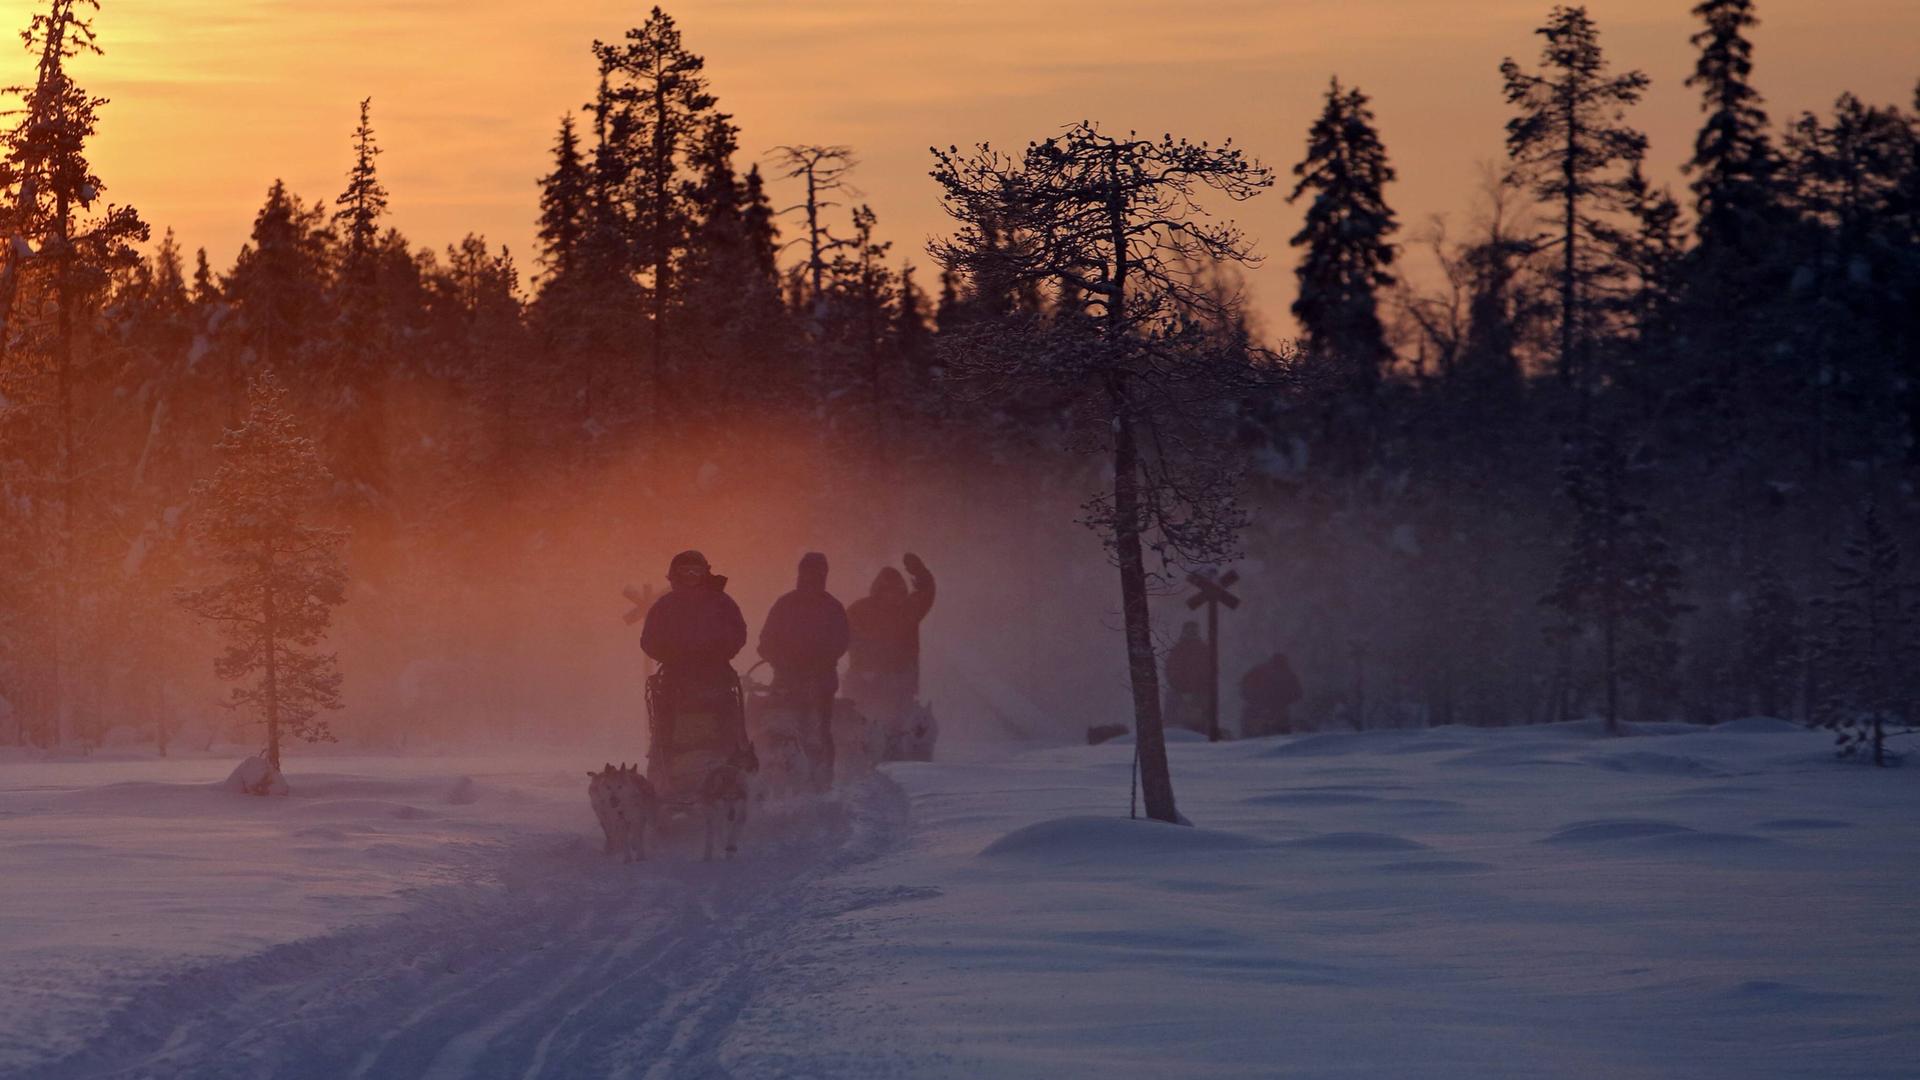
(806, 632)
(694, 628)
(886, 622)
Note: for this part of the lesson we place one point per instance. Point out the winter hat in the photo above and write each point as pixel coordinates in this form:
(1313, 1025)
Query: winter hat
(687, 559)
(813, 563)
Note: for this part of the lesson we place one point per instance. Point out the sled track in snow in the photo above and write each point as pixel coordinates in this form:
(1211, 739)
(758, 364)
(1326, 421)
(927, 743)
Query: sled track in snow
(569, 965)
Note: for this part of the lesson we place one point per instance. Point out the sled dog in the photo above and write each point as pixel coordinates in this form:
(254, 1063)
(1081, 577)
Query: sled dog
(624, 802)
(724, 795)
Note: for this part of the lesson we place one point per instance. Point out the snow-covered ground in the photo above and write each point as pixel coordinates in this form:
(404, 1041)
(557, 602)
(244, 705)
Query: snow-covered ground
(1535, 902)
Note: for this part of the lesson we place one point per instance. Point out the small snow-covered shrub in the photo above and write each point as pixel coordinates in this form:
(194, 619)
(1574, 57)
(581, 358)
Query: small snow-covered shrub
(256, 776)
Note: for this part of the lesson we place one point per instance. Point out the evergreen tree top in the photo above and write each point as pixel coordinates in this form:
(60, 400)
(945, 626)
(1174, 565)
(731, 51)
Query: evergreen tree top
(364, 201)
(1571, 107)
(1733, 158)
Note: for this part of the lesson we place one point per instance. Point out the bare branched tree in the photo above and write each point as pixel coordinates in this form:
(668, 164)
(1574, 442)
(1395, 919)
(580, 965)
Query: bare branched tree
(1111, 233)
(825, 170)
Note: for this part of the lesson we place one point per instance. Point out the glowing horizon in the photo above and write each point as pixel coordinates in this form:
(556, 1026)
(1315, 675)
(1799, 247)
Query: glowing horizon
(212, 101)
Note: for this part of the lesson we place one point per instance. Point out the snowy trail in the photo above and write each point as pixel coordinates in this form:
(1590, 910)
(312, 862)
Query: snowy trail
(572, 965)
(1496, 904)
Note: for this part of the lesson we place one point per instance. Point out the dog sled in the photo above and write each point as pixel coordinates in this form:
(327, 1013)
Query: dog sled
(699, 758)
(903, 727)
(796, 752)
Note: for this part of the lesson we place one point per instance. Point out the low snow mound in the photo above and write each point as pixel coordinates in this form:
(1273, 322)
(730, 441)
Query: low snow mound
(1656, 763)
(1180, 734)
(365, 810)
(1609, 832)
(1325, 744)
(1757, 725)
(1358, 842)
(1597, 729)
(1313, 798)
(1081, 839)
(255, 776)
(1802, 824)
(462, 792)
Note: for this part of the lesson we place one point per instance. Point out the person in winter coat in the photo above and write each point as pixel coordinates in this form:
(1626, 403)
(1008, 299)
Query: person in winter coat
(1189, 669)
(1268, 693)
(883, 655)
(803, 639)
(694, 631)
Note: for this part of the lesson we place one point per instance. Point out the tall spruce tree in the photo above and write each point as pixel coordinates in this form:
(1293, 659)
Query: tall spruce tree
(657, 88)
(279, 281)
(1348, 256)
(358, 428)
(1618, 582)
(363, 204)
(565, 203)
(1568, 144)
(1733, 164)
(283, 573)
(64, 244)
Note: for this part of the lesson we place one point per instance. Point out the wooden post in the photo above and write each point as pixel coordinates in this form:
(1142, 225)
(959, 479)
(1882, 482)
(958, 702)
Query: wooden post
(1212, 592)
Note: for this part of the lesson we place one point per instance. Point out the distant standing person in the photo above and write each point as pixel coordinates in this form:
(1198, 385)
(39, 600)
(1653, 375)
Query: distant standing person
(803, 640)
(1189, 668)
(1268, 693)
(883, 657)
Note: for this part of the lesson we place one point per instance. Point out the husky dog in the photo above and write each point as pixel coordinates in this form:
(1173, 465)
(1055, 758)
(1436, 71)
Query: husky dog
(625, 804)
(724, 794)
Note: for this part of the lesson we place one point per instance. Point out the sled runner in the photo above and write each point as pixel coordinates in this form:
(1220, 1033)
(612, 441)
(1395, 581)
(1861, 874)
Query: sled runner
(790, 744)
(698, 754)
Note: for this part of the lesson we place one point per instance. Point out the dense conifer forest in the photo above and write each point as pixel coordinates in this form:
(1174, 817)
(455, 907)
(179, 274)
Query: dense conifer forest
(1642, 447)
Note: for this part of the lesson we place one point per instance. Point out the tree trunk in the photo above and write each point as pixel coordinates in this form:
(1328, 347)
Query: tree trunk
(270, 640)
(1569, 174)
(663, 248)
(65, 605)
(1156, 780)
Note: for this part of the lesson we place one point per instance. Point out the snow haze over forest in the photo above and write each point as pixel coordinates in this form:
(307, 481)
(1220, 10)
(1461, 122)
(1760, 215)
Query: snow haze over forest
(746, 633)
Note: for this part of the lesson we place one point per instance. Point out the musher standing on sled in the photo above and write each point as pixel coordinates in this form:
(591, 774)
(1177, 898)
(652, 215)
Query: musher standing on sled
(803, 640)
(694, 632)
(883, 661)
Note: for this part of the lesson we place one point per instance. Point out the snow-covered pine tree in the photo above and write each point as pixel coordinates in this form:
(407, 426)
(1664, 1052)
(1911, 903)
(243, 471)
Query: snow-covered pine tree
(282, 574)
(1567, 144)
(1869, 640)
(1348, 256)
(1619, 581)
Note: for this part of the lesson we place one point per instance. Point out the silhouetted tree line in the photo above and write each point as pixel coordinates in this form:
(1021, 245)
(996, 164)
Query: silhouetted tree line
(1621, 452)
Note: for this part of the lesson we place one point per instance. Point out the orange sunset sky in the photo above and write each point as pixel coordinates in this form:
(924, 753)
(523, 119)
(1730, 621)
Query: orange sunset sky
(213, 99)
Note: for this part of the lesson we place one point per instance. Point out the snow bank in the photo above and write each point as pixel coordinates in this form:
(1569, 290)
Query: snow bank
(255, 776)
(115, 873)
(1085, 838)
(1455, 903)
